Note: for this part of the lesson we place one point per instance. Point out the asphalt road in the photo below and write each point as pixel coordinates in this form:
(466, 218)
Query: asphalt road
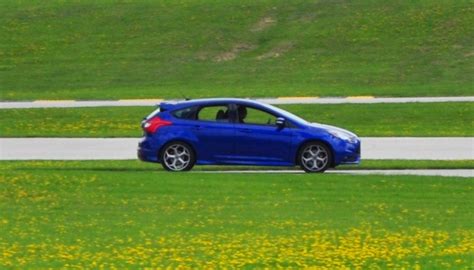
(125, 148)
(281, 100)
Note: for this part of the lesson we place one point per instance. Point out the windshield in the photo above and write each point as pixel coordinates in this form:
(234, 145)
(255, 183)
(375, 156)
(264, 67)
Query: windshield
(287, 114)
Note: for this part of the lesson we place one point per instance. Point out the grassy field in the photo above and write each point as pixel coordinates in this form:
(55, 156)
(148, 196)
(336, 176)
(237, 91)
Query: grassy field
(131, 214)
(423, 119)
(135, 49)
(67, 214)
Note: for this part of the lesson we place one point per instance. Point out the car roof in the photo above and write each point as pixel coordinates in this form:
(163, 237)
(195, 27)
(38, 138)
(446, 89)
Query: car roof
(208, 101)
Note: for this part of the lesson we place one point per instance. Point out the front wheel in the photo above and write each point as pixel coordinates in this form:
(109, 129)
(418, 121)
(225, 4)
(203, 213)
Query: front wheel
(315, 157)
(177, 157)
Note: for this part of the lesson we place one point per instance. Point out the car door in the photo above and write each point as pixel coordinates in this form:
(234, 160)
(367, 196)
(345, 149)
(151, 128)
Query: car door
(258, 138)
(215, 133)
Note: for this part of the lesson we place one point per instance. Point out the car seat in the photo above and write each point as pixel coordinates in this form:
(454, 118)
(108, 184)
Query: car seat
(221, 116)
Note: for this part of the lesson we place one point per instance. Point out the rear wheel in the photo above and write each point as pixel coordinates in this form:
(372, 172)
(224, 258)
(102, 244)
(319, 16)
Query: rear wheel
(177, 157)
(315, 157)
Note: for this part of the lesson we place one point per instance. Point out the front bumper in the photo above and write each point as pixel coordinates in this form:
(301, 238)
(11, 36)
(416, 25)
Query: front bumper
(349, 153)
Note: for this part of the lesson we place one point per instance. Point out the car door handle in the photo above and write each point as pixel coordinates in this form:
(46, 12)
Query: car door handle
(245, 130)
(197, 127)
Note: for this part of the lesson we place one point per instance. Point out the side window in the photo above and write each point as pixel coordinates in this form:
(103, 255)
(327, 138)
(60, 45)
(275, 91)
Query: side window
(217, 113)
(186, 113)
(249, 115)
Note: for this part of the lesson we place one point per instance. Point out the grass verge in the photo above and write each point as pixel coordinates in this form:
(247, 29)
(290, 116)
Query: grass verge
(146, 49)
(64, 214)
(384, 120)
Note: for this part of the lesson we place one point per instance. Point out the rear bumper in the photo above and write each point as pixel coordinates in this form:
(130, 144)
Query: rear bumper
(141, 155)
(146, 156)
(144, 153)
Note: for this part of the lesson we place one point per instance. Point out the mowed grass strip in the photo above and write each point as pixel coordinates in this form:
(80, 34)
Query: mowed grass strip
(64, 215)
(146, 49)
(372, 120)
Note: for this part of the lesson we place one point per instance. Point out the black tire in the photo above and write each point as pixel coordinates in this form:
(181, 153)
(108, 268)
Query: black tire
(184, 157)
(318, 160)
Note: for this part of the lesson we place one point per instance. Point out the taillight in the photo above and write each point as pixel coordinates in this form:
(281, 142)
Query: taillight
(153, 124)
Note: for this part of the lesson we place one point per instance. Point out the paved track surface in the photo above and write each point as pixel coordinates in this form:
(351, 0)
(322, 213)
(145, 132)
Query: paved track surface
(446, 173)
(281, 100)
(125, 148)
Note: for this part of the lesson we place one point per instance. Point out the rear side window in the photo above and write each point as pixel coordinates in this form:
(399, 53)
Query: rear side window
(186, 113)
(217, 113)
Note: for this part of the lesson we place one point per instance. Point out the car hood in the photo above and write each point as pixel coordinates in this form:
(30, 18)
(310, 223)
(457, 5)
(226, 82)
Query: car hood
(330, 128)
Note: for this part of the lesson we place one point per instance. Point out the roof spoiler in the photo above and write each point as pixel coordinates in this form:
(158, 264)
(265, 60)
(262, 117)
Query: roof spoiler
(165, 106)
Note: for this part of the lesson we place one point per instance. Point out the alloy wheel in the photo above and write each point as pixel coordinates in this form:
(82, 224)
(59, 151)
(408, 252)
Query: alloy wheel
(177, 157)
(315, 158)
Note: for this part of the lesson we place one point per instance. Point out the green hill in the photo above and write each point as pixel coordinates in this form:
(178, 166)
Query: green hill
(138, 49)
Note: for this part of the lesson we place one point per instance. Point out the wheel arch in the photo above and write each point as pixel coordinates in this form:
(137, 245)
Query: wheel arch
(160, 150)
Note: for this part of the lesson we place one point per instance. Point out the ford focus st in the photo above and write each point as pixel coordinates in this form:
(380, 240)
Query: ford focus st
(241, 132)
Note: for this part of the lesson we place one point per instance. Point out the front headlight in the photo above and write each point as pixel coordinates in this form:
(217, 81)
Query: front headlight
(343, 136)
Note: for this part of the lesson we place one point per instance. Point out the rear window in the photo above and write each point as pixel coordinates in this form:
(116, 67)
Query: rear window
(186, 113)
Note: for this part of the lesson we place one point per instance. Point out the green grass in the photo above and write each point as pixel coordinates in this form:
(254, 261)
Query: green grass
(67, 214)
(420, 119)
(139, 49)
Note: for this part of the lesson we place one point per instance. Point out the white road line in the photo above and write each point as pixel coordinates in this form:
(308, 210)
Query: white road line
(366, 100)
(447, 173)
(276, 101)
(125, 148)
(422, 172)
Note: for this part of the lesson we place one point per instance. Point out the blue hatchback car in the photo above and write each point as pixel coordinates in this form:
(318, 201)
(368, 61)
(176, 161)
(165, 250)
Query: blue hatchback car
(241, 132)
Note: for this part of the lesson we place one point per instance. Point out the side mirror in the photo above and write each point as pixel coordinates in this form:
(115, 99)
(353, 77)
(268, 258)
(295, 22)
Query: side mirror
(280, 122)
